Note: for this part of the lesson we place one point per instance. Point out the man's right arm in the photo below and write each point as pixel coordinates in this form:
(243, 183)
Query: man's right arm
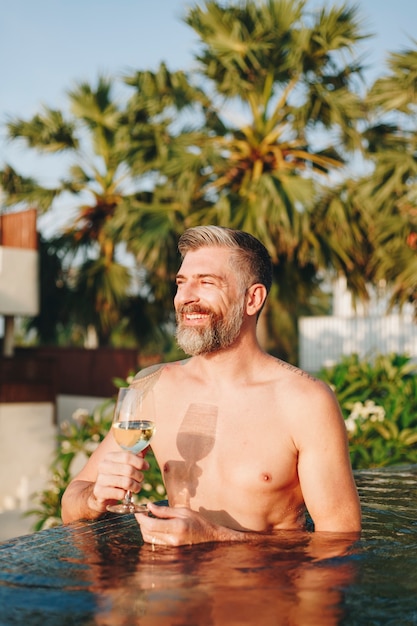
(105, 478)
(79, 502)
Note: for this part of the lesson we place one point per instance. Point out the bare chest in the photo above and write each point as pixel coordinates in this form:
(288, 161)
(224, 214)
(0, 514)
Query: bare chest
(243, 448)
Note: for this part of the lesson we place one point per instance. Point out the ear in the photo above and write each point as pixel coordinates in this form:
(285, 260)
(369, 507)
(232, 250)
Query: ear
(255, 297)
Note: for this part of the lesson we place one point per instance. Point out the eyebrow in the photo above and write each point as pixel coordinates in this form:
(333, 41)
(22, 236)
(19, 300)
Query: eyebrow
(199, 276)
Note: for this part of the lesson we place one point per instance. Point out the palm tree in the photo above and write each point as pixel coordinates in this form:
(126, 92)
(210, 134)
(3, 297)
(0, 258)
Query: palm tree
(282, 71)
(114, 149)
(284, 82)
(152, 222)
(253, 141)
(392, 185)
(277, 95)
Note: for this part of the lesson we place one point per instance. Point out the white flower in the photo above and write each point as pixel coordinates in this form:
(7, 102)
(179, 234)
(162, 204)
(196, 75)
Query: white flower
(357, 411)
(351, 424)
(65, 428)
(80, 416)
(361, 413)
(66, 446)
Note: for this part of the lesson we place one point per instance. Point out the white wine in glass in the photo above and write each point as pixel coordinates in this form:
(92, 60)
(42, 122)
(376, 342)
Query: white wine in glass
(133, 428)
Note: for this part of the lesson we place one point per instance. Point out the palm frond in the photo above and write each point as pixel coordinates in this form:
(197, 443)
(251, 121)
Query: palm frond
(47, 131)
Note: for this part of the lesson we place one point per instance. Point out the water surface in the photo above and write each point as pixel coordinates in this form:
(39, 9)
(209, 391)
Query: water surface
(101, 573)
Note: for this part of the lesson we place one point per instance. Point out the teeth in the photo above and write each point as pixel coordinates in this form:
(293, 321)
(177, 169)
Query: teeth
(195, 316)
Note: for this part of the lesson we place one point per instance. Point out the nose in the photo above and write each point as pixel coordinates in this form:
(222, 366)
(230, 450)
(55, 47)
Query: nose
(186, 294)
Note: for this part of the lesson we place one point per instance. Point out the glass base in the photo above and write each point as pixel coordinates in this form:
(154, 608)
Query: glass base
(125, 508)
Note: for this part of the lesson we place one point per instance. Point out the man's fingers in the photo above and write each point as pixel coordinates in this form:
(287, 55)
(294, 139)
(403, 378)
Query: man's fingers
(163, 512)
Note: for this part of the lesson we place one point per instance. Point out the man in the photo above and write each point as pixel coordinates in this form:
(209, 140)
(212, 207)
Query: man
(245, 442)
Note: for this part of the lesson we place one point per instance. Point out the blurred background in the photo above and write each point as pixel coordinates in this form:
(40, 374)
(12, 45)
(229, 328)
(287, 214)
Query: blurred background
(122, 124)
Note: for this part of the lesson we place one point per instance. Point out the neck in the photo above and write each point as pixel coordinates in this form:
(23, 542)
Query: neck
(236, 363)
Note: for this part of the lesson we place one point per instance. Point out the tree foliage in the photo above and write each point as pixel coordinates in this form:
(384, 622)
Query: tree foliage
(259, 136)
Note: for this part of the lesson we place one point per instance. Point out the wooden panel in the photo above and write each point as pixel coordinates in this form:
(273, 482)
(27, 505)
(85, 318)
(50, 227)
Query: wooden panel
(29, 378)
(18, 230)
(82, 372)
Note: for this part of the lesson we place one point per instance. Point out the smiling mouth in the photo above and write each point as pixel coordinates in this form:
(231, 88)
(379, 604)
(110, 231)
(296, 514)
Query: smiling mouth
(195, 316)
(188, 314)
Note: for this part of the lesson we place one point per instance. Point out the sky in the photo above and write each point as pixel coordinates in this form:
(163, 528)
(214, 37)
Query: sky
(47, 46)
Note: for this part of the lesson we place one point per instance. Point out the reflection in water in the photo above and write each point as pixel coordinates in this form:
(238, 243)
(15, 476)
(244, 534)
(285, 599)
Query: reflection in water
(219, 584)
(298, 579)
(101, 573)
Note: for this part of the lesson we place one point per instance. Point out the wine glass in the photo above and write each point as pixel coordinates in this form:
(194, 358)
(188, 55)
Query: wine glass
(133, 428)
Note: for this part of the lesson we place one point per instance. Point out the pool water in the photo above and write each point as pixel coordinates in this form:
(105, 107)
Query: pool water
(101, 573)
(385, 589)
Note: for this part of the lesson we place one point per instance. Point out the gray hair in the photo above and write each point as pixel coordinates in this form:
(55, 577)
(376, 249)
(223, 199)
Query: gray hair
(251, 258)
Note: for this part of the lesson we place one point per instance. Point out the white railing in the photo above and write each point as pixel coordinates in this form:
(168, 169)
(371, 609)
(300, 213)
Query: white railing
(324, 340)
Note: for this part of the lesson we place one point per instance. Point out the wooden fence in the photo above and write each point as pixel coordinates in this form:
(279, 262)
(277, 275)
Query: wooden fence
(40, 374)
(324, 340)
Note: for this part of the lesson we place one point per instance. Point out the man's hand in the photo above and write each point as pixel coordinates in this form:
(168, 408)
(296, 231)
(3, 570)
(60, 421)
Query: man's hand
(118, 472)
(179, 526)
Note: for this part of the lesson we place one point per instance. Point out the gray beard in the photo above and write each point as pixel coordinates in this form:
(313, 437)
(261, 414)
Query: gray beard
(221, 333)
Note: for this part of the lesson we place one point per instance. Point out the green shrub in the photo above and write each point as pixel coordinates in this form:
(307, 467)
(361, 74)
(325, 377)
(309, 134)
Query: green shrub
(379, 403)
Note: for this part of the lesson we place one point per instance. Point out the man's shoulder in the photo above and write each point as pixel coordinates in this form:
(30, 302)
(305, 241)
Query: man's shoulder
(154, 371)
(304, 387)
(293, 370)
(284, 373)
